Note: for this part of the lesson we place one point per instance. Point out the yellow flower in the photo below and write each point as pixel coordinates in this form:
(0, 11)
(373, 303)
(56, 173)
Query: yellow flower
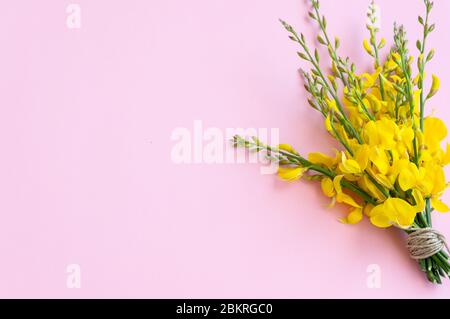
(434, 86)
(287, 148)
(380, 133)
(368, 210)
(370, 79)
(327, 187)
(416, 95)
(380, 159)
(328, 125)
(390, 65)
(408, 174)
(375, 102)
(290, 174)
(349, 166)
(332, 106)
(341, 197)
(445, 160)
(354, 217)
(370, 134)
(333, 188)
(370, 187)
(395, 57)
(396, 79)
(432, 180)
(367, 46)
(362, 156)
(381, 179)
(322, 159)
(433, 183)
(418, 198)
(394, 211)
(434, 132)
(404, 140)
(439, 205)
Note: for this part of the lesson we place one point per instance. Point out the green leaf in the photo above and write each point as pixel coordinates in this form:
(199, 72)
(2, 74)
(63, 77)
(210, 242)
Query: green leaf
(420, 20)
(419, 45)
(302, 37)
(335, 87)
(303, 56)
(321, 40)
(430, 55)
(337, 43)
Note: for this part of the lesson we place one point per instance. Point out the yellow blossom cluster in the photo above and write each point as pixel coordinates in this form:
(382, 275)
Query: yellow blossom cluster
(390, 163)
(391, 151)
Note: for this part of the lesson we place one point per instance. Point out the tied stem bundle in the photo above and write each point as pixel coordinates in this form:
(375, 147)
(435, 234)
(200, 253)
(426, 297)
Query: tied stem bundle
(425, 242)
(390, 165)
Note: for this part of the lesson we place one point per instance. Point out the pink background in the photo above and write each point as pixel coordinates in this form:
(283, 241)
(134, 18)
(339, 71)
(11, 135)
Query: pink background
(86, 175)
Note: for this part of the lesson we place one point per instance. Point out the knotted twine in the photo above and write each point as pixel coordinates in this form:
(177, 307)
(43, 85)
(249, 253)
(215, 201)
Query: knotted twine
(425, 242)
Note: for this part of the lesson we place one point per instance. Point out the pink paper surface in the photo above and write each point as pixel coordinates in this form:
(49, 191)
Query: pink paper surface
(87, 178)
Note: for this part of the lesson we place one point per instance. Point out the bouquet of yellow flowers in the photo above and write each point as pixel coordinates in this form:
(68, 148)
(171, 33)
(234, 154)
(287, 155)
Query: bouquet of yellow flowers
(390, 167)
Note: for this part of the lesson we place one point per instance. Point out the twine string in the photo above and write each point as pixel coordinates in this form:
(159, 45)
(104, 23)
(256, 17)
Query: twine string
(425, 242)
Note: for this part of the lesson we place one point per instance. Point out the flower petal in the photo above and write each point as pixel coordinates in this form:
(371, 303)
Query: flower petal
(418, 198)
(337, 183)
(381, 221)
(354, 217)
(291, 173)
(346, 199)
(327, 187)
(439, 205)
(320, 158)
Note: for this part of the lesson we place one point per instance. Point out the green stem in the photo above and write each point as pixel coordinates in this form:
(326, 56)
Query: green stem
(377, 62)
(422, 69)
(332, 52)
(324, 171)
(348, 126)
